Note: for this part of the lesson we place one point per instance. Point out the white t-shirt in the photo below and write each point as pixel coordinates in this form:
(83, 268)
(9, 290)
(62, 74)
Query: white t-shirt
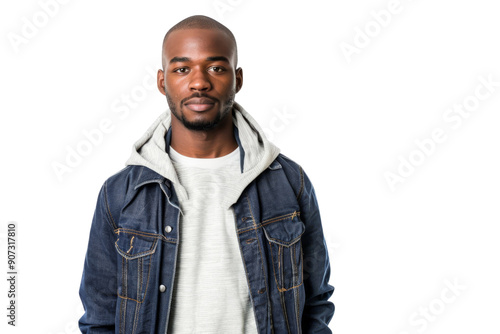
(210, 292)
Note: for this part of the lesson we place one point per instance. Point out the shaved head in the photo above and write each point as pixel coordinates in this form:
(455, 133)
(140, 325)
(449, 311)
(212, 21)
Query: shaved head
(199, 77)
(199, 22)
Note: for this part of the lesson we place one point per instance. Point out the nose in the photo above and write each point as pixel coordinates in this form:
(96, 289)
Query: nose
(199, 81)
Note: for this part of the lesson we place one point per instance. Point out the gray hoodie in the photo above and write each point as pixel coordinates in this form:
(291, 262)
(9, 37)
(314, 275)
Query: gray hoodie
(150, 151)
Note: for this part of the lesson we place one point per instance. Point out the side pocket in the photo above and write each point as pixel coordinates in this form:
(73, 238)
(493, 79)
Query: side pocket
(135, 250)
(285, 249)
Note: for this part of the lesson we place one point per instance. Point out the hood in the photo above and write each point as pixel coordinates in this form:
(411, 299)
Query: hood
(257, 153)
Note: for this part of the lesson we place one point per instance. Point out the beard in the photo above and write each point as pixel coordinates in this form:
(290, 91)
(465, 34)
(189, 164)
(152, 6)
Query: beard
(202, 125)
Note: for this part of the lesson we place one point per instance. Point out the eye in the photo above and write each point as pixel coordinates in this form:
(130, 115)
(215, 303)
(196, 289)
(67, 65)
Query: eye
(217, 69)
(181, 70)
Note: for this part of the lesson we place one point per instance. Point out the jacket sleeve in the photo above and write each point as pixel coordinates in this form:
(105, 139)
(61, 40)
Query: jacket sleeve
(98, 284)
(318, 311)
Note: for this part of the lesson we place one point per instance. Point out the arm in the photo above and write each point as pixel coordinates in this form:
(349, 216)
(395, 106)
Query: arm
(318, 311)
(98, 285)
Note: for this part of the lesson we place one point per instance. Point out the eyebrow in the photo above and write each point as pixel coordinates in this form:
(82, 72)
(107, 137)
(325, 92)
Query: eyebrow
(186, 59)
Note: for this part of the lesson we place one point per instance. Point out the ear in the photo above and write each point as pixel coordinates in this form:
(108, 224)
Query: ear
(239, 79)
(160, 81)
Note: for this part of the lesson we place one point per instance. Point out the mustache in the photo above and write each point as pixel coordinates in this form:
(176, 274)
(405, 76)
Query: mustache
(199, 95)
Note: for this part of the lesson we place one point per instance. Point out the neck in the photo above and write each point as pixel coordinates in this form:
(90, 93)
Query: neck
(212, 143)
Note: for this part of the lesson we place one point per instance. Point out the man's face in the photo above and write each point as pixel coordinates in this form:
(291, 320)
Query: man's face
(199, 77)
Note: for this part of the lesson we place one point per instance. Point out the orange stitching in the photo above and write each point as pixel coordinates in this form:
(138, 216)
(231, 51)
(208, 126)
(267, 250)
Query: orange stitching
(147, 285)
(294, 261)
(137, 305)
(136, 319)
(301, 263)
(253, 221)
(127, 298)
(139, 276)
(279, 257)
(293, 287)
(298, 292)
(124, 275)
(138, 254)
(131, 246)
(269, 221)
(245, 267)
(258, 243)
(274, 272)
(145, 234)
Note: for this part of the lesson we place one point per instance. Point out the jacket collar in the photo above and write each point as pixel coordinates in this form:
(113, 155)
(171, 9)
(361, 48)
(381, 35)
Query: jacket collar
(147, 175)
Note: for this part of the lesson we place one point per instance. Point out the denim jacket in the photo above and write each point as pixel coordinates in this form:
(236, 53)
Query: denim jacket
(130, 264)
(128, 289)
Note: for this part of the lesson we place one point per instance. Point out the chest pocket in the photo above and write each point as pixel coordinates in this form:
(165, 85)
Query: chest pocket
(135, 253)
(284, 249)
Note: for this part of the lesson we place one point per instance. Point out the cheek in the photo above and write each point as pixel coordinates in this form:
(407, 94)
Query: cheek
(227, 86)
(173, 89)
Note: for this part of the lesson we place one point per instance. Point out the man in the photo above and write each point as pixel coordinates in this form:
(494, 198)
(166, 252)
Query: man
(208, 229)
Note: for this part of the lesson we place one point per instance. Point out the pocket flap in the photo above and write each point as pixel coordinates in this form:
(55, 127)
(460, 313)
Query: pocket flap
(284, 230)
(132, 246)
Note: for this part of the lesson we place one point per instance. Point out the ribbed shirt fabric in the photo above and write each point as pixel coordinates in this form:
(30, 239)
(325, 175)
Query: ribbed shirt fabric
(210, 292)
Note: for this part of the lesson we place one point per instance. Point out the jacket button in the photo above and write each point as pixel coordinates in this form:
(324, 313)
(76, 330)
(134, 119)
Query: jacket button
(262, 290)
(168, 229)
(162, 288)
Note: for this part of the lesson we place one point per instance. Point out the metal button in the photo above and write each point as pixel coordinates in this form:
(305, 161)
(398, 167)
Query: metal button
(162, 288)
(168, 229)
(262, 290)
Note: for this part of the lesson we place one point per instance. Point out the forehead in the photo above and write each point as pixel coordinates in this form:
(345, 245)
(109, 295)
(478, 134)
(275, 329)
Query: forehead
(198, 43)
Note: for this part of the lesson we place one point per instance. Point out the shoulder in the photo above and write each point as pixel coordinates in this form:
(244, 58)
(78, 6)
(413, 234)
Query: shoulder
(288, 164)
(123, 178)
(118, 187)
(292, 171)
(298, 178)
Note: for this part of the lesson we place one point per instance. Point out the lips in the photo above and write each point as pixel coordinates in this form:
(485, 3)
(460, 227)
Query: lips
(199, 103)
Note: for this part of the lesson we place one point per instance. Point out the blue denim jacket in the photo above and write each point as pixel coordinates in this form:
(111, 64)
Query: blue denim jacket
(130, 263)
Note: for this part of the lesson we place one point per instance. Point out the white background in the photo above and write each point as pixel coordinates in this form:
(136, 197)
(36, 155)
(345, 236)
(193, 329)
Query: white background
(350, 119)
